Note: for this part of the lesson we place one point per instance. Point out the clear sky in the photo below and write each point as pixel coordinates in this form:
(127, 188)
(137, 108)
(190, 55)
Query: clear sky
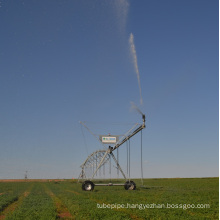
(65, 61)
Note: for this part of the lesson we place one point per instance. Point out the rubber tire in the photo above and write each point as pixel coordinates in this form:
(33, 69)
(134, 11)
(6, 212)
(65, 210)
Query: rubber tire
(88, 185)
(130, 185)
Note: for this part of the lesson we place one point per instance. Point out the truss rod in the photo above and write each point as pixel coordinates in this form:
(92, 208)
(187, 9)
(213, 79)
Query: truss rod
(131, 135)
(118, 165)
(92, 134)
(106, 153)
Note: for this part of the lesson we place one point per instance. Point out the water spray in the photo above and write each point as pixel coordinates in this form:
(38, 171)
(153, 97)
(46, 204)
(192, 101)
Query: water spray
(134, 58)
(133, 106)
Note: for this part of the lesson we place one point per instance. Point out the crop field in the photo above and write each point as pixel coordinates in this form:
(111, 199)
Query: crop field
(190, 198)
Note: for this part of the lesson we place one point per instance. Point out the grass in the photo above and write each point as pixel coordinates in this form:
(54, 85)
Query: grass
(183, 198)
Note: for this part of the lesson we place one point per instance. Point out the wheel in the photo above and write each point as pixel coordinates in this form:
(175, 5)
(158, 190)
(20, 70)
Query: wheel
(88, 185)
(130, 185)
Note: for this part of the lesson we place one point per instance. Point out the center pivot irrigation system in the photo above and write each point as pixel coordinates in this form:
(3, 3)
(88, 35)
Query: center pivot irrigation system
(97, 160)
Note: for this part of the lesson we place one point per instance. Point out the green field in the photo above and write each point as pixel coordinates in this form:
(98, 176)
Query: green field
(190, 198)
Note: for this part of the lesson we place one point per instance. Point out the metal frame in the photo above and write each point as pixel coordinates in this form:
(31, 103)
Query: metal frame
(103, 156)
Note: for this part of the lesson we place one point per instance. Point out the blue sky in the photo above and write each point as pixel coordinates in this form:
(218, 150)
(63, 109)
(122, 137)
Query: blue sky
(65, 61)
